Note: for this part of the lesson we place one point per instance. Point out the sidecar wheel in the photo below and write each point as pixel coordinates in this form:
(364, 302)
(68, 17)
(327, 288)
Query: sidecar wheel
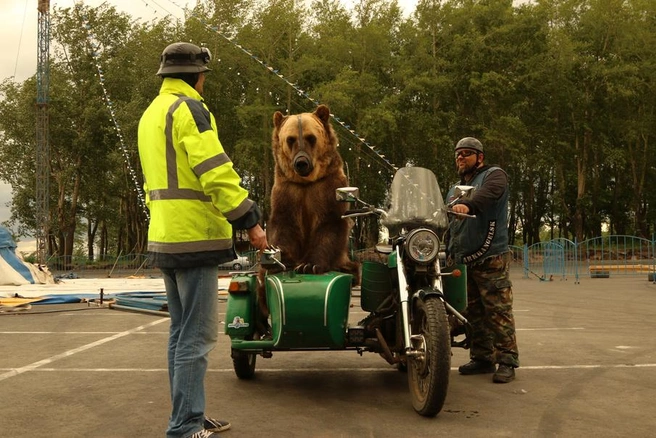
(244, 364)
(428, 374)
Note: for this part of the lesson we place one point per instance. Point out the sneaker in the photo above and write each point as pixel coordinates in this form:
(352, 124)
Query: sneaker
(205, 434)
(213, 425)
(505, 374)
(476, 367)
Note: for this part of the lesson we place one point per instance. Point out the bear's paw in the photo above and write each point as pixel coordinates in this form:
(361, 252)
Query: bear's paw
(309, 268)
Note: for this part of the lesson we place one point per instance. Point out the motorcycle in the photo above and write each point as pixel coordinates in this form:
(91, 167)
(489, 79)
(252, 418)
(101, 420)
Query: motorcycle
(414, 299)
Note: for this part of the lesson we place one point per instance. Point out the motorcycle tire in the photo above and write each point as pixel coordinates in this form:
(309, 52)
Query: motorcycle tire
(428, 374)
(244, 364)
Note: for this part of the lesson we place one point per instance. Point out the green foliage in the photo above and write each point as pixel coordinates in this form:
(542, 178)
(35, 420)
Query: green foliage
(561, 92)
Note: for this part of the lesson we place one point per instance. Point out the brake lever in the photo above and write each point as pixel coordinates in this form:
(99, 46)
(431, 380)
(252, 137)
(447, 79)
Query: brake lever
(461, 214)
(364, 212)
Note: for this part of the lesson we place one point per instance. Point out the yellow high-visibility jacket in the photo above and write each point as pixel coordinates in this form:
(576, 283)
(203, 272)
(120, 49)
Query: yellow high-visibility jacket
(192, 191)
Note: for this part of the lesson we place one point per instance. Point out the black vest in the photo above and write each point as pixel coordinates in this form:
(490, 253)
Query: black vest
(473, 240)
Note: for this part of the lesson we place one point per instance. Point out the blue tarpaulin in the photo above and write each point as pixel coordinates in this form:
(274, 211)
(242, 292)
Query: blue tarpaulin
(143, 300)
(13, 271)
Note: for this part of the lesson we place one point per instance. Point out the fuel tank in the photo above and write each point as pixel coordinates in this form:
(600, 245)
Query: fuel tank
(455, 288)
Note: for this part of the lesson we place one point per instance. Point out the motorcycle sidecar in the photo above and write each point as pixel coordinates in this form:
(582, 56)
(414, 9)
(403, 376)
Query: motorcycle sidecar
(308, 312)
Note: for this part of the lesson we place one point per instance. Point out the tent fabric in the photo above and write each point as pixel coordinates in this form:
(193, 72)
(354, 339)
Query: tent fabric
(13, 270)
(143, 300)
(13, 301)
(50, 299)
(59, 299)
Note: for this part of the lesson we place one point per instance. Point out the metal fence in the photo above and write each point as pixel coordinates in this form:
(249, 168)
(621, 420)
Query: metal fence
(600, 257)
(117, 266)
(122, 265)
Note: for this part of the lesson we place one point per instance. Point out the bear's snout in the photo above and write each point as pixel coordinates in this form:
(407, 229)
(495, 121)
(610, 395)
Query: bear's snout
(303, 164)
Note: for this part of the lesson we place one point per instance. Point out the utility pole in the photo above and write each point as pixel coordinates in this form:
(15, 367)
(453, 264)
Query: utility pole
(42, 173)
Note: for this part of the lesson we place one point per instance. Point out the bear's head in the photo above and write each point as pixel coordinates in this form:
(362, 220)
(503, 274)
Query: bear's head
(305, 146)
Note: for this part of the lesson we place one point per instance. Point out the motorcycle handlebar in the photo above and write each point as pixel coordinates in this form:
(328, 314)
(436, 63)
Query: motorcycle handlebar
(460, 214)
(364, 212)
(357, 211)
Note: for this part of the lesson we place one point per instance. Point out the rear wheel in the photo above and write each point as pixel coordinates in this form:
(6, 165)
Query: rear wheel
(428, 371)
(244, 363)
(237, 266)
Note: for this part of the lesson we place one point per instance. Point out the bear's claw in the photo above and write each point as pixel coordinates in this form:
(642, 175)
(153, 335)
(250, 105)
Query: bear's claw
(309, 268)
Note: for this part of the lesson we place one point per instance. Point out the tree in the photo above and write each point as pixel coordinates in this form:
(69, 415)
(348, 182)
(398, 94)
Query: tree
(561, 92)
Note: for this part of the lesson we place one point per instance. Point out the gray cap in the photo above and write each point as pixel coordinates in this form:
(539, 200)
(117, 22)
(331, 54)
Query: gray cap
(183, 58)
(469, 143)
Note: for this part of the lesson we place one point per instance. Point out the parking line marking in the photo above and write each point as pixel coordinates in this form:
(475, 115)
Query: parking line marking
(79, 333)
(585, 367)
(35, 365)
(539, 329)
(547, 329)
(327, 370)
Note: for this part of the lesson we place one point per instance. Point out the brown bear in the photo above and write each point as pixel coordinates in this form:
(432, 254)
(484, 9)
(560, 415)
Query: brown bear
(305, 220)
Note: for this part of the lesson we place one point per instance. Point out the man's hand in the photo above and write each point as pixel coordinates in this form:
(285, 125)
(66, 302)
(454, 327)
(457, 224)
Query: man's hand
(258, 238)
(460, 208)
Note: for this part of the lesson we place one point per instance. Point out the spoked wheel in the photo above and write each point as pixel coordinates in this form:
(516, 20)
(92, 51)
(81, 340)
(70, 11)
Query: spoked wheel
(244, 363)
(428, 371)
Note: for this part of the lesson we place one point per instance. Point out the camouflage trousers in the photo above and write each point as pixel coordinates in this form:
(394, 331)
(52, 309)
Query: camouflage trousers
(489, 310)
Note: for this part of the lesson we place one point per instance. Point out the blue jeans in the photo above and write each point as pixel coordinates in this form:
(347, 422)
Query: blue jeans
(193, 303)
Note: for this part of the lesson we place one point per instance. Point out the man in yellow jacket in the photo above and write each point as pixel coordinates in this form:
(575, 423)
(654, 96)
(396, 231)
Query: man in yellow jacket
(195, 199)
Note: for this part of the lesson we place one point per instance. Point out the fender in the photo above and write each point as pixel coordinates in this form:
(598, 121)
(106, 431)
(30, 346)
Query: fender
(422, 294)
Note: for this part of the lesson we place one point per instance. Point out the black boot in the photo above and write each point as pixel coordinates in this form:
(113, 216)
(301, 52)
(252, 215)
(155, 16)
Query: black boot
(505, 374)
(476, 367)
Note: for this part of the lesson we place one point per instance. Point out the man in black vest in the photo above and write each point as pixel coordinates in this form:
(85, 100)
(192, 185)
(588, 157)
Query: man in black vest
(481, 243)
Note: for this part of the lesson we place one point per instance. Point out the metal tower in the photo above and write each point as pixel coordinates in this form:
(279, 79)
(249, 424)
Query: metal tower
(42, 132)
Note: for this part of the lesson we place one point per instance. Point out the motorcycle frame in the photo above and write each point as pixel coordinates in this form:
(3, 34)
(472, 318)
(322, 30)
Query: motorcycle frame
(436, 289)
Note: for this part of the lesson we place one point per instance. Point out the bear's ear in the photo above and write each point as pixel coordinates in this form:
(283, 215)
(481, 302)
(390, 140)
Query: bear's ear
(278, 118)
(323, 113)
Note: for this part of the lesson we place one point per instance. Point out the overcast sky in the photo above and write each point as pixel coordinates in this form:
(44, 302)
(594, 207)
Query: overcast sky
(18, 34)
(18, 56)
(19, 28)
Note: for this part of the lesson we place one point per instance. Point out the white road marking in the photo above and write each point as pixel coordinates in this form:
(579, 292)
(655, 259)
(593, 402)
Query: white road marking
(548, 329)
(585, 367)
(35, 365)
(324, 370)
(80, 333)
(222, 322)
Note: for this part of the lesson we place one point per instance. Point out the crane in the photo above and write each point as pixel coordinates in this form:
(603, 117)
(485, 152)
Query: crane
(42, 157)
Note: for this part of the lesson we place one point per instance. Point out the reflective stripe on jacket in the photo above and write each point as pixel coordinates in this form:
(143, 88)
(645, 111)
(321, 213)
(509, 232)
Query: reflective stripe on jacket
(192, 190)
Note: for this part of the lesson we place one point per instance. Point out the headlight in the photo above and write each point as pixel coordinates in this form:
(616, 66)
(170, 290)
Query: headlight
(422, 245)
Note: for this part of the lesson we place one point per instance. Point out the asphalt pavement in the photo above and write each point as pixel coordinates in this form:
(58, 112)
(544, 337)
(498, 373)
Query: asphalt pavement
(588, 369)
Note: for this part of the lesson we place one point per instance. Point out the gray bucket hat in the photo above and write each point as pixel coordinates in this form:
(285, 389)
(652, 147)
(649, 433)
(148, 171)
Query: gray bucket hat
(184, 58)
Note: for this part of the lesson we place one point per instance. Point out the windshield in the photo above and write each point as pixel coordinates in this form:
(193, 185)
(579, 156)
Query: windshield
(416, 200)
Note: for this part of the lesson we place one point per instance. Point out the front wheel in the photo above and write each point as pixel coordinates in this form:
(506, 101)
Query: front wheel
(428, 370)
(244, 364)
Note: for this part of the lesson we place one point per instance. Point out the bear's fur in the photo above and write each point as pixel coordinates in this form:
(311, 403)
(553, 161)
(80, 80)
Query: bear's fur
(305, 220)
